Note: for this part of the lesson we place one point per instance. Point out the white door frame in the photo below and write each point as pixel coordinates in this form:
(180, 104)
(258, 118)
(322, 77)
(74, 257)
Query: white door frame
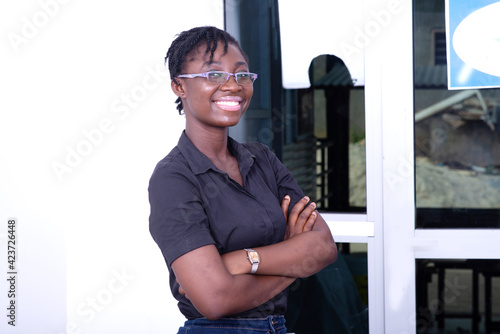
(390, 63)
(388, 228)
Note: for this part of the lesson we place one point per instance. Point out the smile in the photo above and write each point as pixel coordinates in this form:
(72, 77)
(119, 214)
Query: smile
(228, 105)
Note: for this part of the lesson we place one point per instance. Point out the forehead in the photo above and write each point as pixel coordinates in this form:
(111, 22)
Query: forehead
(199, 56)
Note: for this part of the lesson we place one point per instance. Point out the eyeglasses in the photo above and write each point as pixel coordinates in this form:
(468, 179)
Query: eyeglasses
(220, 78)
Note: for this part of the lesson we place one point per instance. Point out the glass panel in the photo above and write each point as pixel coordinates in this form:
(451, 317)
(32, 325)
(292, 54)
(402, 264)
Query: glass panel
(328, 118)
(318, 132)
(457, 136)
(335, 300)
(458, 296)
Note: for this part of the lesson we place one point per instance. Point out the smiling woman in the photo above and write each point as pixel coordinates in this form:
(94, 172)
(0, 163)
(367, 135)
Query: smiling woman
(228, 98)
(229, 218)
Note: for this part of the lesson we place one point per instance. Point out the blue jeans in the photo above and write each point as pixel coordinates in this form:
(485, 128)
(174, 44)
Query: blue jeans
(270, 324)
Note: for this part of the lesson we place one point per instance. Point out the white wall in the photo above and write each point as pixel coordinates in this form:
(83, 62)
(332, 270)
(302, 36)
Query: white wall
(86, 111)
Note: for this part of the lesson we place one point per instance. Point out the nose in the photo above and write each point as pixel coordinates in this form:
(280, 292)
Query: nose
(231, 84)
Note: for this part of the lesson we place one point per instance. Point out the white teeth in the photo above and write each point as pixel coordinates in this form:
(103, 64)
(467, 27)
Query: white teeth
(228, 103)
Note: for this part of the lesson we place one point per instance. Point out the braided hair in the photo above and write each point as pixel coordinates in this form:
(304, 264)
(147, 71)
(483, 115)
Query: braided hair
(190, 40)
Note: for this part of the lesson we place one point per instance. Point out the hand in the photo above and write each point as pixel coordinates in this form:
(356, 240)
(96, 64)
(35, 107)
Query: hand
(302, 216)
(182, 292)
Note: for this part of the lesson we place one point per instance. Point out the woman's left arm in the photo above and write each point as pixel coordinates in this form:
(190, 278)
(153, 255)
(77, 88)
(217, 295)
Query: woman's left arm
(301, 255)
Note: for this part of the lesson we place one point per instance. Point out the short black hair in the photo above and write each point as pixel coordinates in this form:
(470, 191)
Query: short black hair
(190, 40)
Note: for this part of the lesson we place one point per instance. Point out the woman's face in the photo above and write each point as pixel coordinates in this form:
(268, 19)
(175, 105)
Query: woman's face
(212, 105)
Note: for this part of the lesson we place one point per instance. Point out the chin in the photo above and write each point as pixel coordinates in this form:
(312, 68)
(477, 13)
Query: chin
(229, 123)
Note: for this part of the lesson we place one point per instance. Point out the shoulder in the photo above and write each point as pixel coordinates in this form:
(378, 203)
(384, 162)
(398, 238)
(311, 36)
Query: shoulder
(172, 169)
(263, 155)
(173, 159)
(259, 150)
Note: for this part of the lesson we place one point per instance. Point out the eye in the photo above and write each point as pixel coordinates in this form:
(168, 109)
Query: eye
(245, 77)
(215, 75)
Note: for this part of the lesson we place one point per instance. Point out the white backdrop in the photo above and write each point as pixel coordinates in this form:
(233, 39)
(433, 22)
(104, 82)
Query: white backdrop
(86, 111)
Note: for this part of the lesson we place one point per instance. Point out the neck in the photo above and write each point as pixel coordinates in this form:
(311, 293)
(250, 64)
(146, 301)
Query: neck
(211, 142)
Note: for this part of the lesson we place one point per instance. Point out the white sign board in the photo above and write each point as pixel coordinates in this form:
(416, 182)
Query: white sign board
(473, 43)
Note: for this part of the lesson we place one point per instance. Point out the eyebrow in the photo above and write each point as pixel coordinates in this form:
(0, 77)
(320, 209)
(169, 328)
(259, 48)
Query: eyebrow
(240, 63)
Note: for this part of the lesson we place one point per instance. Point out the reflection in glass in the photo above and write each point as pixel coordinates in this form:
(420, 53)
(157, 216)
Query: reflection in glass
(330, 117)
(458, 296)
(457, 136)
(318, 132)
(335, 300)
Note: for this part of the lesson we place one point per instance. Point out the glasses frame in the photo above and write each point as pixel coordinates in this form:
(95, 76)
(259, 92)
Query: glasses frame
(205, 75)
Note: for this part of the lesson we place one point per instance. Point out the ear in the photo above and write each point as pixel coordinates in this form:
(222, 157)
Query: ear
(178, 88)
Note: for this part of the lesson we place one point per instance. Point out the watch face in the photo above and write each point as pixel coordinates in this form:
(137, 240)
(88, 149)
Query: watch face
(254, 256)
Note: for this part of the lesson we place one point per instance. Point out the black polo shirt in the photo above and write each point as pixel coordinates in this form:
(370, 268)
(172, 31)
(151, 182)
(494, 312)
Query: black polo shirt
(194, 204)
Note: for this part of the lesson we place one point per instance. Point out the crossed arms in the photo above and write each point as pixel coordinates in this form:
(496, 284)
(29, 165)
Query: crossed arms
(212, 281)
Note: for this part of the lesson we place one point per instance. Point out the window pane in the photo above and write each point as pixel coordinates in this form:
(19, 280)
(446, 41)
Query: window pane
(335, 300)
(329, 118)
(458, 296)
(318, 132)
(457, 136)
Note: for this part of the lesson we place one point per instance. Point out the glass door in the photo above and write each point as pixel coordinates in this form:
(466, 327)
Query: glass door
(440, 188)
(457, 172)
(420, 251)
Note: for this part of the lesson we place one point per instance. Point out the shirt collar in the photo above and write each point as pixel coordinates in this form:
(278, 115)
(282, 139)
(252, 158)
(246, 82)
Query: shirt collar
(245, 158)
(200, 163)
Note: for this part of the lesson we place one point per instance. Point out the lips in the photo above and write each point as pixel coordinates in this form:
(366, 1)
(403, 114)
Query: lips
(229, 103)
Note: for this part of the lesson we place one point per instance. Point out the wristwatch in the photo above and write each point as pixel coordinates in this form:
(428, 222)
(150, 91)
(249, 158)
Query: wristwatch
(254, 259)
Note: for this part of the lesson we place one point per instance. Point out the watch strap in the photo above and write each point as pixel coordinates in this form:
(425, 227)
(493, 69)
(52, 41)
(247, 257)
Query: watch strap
(254, 263)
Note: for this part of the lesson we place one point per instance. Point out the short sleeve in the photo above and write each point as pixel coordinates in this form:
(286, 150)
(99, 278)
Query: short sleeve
(284, 179)
(178, 222)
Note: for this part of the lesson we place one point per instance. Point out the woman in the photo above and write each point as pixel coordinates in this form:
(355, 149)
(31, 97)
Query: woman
(233, 226)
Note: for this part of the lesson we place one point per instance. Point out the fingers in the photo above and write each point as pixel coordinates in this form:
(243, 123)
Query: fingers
(182, 292)
(285, 203)
(307, 215)
(300, 210)
(302, 218)
(310, 222)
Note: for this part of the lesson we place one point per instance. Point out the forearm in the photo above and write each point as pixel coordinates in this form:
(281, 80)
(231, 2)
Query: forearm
(212, 289)
(251, 291)
(301, 256)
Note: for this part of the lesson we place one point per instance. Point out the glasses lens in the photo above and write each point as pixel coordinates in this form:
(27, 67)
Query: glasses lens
(245, 78)
(217, 77)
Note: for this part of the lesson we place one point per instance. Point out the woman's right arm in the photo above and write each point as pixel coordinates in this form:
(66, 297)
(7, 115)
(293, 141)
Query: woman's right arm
(212, 289)
(201, 272)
